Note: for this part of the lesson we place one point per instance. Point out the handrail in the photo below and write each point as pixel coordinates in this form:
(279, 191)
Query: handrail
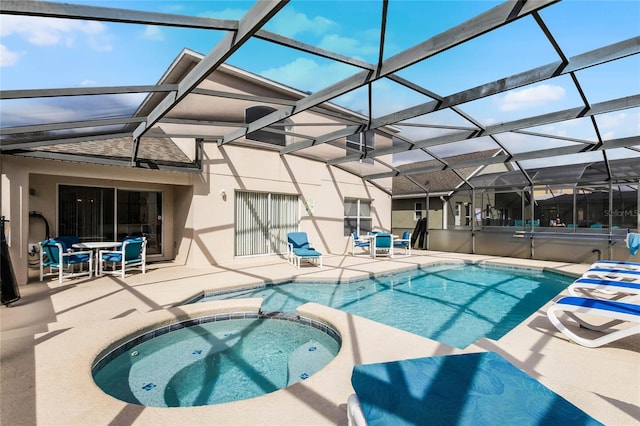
(570, 235)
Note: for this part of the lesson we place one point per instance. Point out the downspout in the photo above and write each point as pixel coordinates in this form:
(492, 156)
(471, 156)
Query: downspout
(472, 213)
(426, 225)
(445, 209)
(610, 224)
(533, 212)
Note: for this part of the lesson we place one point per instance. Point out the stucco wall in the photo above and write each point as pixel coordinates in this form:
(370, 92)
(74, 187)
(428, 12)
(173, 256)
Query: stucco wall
(234, 168)
(32, 185)
(198, 220)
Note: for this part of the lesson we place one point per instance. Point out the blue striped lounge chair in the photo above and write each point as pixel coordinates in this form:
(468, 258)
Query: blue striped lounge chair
(613, 274)
(617, 312)
(617, 264)
(595, 287)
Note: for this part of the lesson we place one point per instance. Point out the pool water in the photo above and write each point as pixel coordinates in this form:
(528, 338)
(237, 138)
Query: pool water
(216, 362)
(453, 304)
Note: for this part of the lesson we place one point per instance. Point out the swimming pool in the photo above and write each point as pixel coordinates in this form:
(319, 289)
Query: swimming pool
(452, 303)
(216, 359)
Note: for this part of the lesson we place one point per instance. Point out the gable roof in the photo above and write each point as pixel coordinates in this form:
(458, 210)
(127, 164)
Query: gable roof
(437, 182)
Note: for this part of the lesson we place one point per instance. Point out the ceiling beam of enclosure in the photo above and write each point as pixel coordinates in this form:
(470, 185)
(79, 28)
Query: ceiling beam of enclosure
(21, 138)
(252, 21)
(512, 126)
(494, 18)
(599, 56)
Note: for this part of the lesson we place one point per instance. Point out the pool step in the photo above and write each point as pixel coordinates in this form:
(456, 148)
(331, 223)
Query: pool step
(306, 360)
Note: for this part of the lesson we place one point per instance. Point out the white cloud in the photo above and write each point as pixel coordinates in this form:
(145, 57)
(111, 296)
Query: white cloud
(88, 83)
(152, 32)
(346, 45)
(290, 23)
(307, 75)
(287, 22)
(7, 57)
(531, 97)
(51, 31)
(619, 124)
(233, 14)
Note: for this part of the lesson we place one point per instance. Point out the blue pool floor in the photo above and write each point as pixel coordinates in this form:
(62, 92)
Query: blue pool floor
(453, 304)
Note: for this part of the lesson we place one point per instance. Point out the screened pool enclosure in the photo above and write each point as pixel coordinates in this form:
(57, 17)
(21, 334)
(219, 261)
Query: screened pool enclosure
(532, 108)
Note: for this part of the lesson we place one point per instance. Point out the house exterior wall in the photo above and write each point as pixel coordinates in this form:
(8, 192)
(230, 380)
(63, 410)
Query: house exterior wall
(403, 216)
(31, 185)
(198, 221)
(235, 168)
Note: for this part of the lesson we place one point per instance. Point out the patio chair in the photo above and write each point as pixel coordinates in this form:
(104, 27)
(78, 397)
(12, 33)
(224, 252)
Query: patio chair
(55, 256)
(403, 243)
(299, 248)
(131, 255)
(359, 243)
(382, 243)
(617, 313)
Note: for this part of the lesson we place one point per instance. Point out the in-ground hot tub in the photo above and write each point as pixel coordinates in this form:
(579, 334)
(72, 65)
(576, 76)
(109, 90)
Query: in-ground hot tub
(216, 359)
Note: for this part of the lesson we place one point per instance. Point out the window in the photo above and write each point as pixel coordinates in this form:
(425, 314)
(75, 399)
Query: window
(262, 222)
(417, 211)
(362, 142)
(357, 216)
(275, 137)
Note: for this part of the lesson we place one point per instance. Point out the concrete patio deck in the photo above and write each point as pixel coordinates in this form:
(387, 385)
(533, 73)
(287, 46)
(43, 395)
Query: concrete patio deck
(53, 334)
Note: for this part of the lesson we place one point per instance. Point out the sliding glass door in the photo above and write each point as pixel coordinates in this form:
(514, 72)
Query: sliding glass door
(90, 213)
(140, 214)
(86, 212)
(262, 222)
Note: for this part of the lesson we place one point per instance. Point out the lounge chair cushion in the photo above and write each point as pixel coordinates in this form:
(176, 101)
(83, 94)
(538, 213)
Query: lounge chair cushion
(306, 252)
(298, 240)
(478, 388)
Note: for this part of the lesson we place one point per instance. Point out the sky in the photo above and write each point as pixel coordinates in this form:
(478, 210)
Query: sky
(52, 53)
